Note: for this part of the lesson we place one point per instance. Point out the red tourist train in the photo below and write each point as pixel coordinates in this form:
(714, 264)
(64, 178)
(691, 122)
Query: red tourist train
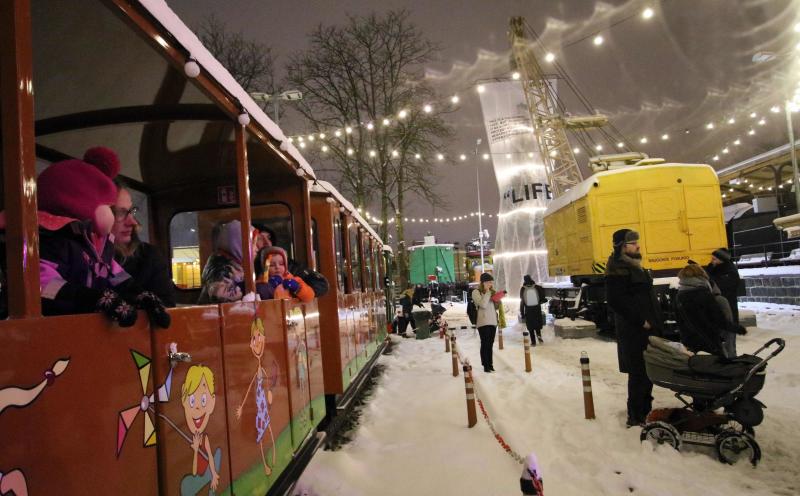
(231, 396)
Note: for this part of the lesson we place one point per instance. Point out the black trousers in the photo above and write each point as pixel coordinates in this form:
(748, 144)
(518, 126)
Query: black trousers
(640, 399)
(487, 343)
(402, 324)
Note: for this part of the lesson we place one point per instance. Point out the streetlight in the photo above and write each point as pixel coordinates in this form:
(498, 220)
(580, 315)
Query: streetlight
(480, 221)
(288, 95)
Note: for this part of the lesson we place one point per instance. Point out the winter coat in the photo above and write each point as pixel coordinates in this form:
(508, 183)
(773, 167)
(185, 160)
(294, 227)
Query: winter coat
(69, 262)
(630, 295)
(726, 277)
(223, 277)
(532, 314)
(150, 269)
(701, 320)
(489, 312)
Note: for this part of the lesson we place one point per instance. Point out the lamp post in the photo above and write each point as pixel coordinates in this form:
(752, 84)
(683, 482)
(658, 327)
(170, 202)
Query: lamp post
(480, 214)
(288, 95)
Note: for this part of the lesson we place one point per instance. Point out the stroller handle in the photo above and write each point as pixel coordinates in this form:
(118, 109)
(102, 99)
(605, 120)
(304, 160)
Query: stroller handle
(781, 345)
(763, 363)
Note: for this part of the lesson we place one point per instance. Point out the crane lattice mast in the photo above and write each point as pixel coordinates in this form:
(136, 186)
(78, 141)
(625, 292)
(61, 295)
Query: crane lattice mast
(549, 126)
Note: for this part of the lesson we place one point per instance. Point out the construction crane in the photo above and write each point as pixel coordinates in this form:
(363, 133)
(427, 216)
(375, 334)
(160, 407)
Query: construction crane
(549, 124)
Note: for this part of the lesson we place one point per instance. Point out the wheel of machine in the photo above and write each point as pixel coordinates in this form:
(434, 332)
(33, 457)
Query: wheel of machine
(661, 433)
(733, 447)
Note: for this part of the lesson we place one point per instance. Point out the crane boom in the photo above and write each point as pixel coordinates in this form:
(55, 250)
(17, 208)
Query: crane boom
(549, 126)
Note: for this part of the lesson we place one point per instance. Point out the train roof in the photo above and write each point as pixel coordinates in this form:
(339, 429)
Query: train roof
(186, 37)
(581, 189)
(325, 187)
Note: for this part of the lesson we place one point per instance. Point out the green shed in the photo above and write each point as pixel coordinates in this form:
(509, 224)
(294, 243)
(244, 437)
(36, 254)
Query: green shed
(424, 260)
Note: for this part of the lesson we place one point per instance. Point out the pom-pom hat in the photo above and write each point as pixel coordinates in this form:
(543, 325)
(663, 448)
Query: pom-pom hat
(75, 188)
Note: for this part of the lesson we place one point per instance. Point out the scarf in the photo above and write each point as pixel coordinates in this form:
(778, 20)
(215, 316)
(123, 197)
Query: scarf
(636, 262)
(690, 283)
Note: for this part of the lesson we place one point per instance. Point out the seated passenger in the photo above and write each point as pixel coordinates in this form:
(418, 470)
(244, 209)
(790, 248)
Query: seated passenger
(141, 260)
(78, 273)
(223, 277)
(275, 281)
(701, 319)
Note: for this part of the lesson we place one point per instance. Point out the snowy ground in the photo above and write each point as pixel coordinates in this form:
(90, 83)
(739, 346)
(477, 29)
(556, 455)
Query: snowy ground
(413, 438)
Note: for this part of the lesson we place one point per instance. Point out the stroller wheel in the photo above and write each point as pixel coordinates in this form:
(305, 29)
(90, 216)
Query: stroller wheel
(661, 433)
(733, 447)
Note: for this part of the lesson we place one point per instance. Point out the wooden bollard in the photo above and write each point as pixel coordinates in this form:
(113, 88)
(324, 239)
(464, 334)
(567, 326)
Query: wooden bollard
(455, 355)
(526, 340)
(499, 338)
(447, 341)
(588, 400)
(472, 416)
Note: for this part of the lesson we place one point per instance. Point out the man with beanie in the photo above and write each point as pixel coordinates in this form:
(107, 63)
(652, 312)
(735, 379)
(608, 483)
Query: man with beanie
(630, 294)
(531, 297)
(490, 314)
(724, 274)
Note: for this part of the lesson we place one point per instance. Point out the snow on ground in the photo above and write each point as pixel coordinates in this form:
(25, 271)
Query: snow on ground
(413, 437)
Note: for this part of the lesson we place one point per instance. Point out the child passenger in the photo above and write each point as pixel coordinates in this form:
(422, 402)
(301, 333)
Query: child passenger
(276, 281)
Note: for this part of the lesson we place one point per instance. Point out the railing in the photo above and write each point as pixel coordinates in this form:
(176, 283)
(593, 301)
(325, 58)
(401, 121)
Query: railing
(772, 253)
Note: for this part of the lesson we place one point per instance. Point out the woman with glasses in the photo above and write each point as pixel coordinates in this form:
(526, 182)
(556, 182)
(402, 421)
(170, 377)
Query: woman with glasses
(141, 260)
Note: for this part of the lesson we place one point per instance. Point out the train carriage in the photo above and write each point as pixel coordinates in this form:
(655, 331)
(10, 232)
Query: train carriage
(229, 399)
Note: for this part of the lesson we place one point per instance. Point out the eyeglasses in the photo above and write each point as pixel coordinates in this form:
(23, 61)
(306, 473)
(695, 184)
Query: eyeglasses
(121, 214)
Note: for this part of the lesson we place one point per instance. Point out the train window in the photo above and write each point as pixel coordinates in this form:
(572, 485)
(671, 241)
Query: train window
(368, 282)
(355, 257)
(378, 268)
(191, 237)
(315, 244)
(341, 273)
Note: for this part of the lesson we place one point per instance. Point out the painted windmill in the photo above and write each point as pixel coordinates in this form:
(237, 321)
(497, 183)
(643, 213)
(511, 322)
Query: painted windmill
(127, 416)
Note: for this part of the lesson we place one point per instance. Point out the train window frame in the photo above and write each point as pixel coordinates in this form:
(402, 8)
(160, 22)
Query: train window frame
(357, 285)
(200, 261)
(369, 282)
(339, 254)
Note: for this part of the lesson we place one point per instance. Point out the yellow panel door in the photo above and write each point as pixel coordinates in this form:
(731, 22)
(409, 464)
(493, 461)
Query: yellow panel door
(704, 218)
(664, 225)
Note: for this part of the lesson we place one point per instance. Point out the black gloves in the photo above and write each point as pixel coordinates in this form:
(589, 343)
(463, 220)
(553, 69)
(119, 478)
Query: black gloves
(155, 309)
(110, 303)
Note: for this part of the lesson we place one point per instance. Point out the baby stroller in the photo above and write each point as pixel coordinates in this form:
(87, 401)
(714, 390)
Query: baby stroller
(705, 384)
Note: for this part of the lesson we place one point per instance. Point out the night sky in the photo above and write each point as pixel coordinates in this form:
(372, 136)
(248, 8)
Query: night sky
(692, 63)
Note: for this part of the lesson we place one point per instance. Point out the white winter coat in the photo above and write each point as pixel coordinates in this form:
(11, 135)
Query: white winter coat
(487, 313)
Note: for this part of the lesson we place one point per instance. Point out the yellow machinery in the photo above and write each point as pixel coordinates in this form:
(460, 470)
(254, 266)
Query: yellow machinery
(676, 208)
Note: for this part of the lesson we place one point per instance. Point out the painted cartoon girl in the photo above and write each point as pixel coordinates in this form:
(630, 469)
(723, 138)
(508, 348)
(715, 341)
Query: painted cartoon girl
(263, 399)
(13, 482)
(198, 399)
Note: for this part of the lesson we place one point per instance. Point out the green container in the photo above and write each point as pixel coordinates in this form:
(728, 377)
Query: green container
(422, 321)
(424, 259)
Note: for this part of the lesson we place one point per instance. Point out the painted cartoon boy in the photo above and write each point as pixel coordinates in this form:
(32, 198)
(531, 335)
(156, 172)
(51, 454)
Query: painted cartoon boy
(198, 399)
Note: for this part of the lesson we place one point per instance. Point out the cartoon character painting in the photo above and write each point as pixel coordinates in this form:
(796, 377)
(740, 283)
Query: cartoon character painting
(263, 398)
(13, 481)
(198, 399)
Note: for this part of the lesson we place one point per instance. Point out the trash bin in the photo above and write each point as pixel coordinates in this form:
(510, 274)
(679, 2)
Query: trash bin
(422, 321)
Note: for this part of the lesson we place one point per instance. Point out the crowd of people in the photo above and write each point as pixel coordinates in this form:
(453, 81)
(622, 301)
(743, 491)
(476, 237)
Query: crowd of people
(93, 260)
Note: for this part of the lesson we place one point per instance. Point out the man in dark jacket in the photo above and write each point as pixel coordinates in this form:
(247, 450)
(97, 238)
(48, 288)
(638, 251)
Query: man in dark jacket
(630, 294)
(531, 297)
(724, 274)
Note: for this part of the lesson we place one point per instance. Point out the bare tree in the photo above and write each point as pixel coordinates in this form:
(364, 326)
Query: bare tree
(366, 71)
(249, 62)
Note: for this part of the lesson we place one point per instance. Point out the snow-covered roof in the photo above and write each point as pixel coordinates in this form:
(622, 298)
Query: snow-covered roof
(172, 23)
(580, 190)
(326, 187)
(441, 245)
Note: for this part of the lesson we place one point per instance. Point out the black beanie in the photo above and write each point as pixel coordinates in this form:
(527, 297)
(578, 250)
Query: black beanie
(486, 277)
(722, 254)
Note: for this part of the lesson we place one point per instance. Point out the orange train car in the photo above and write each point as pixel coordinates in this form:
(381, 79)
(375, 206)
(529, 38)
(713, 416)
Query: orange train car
(230, 398)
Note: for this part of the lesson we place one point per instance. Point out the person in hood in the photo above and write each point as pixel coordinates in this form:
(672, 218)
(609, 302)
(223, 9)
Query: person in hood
(722, 272)
(630, 295)
(702, 321)
(223, 276)
(78, 273)
(531, 297)
(276, 281)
